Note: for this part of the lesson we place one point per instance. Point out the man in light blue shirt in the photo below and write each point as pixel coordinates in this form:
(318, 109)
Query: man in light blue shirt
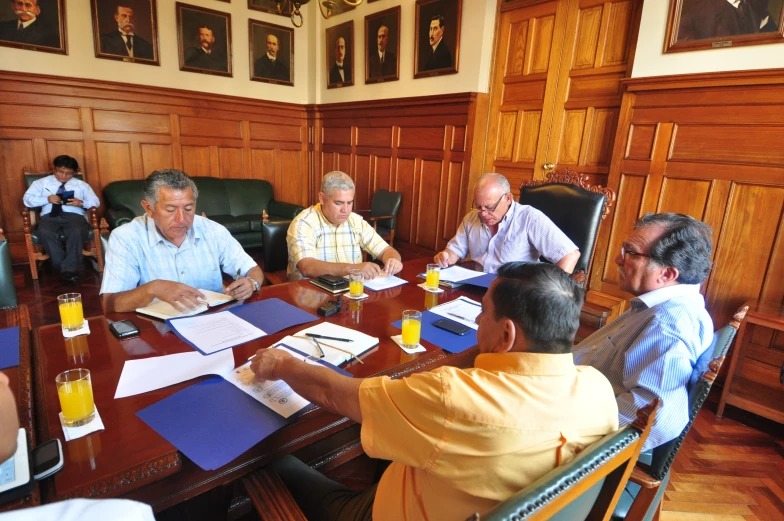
(63, 201)
(650, 351)
(500, 230)
(170, 253)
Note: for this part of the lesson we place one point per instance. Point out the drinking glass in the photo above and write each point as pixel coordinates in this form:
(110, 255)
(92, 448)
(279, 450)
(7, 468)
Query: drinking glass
(356, 286)
(433, 275)
(76, 397)
(412, 327)
(71, 314)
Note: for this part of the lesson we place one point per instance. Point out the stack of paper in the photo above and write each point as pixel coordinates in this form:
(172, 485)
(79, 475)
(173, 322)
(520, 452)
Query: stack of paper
(383, 282)
(458, 274)
(462, 310)
(164, 310)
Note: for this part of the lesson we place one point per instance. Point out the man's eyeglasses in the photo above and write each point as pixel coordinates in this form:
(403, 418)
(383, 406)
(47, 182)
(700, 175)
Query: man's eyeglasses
(625, 252)
(489, 209)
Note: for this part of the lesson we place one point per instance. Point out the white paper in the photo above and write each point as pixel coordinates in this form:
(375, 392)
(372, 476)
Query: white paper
(384, 282)
(164, 310)
(84, 330)
(277, 395)
(427, 288)
(463, 310)
(149, 374)
(211, 333)
(398, 339)
(361, 342)
(458, 273)
(72, 433)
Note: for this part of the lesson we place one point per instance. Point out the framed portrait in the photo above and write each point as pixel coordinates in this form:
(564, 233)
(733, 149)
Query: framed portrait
(268, 6)
(36, 25)
(382, 46)
(712, 24)
(271, 53)
(126, 30)
(204, 40)
(437, 37)
(340, 55)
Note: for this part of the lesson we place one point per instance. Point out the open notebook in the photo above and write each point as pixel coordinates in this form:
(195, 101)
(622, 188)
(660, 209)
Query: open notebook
(163, 310)
(335, 351)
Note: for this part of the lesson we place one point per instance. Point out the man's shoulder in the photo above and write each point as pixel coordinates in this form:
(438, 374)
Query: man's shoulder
(134, 230)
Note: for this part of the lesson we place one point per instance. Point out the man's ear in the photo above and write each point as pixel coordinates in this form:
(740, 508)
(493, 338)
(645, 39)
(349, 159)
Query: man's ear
(147, 207)
(668, 274)
(508, 336)
(322, 198)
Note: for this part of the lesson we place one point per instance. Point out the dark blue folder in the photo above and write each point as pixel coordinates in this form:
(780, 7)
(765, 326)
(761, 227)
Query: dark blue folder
(9, 347)
(444, 339)
(483, 281)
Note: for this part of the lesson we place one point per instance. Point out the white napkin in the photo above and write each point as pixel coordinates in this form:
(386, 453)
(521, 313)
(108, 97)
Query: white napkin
(398, 339)
(361, 297)
(429, 289)
(85, 330)
(71, 433)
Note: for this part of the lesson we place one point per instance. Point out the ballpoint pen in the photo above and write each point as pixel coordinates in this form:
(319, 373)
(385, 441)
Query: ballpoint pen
(321, 351)
(460, 317)
(325, 337)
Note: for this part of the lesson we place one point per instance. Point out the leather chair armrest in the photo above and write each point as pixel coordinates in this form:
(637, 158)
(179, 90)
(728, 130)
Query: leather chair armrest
(118, 216)
(641, 477)
(271, 498)
(379, 217)
(285, 210)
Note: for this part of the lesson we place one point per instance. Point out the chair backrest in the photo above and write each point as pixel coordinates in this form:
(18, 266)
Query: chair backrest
(7, 288)
(573, 205)
(386, 203)
(588, 485)
(702, 377)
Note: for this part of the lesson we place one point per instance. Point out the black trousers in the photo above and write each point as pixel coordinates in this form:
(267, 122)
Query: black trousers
(75, 229)
(320, 498)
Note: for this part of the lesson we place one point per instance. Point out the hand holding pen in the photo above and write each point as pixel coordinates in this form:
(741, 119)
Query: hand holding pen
(241, 288)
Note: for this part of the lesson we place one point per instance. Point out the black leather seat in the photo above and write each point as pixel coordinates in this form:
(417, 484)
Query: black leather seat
(7, 288)
(574, 206)
(383, 213)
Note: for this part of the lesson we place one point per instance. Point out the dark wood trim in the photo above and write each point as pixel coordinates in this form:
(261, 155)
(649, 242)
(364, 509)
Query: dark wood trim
(706, 79)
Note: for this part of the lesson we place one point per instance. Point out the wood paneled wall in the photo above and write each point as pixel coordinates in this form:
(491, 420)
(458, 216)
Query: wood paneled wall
(118, 131)
(423, 147)
(709, 146)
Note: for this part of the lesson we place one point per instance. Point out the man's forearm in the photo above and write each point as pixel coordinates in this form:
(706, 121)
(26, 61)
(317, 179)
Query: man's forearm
(322, 386)
(389, 253)
(569, 261)
(313, 268)
(125, 301)
(256, 274)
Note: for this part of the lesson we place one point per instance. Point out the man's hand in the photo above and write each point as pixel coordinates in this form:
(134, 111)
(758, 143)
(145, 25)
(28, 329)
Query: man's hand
(266, 363)
(370, 270)
(393, 266)
(442, 259)
(75, 202)
(181, 296)
(54, 199)
(240, 289)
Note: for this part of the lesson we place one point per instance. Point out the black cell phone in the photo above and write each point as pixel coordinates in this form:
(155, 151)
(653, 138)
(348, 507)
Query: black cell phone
(47, 459)
(123, 328)
(332, 280)
(452, 326)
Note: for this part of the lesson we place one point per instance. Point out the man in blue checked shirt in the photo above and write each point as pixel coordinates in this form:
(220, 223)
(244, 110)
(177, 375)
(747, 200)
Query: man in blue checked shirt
(650, 351)
(170, 252)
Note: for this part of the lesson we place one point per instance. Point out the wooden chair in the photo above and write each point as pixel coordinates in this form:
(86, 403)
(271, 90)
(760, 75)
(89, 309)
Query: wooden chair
(576, 207)
(383, 213)
(7, 288)
(643, 497)
(592, 481)
(35, 252)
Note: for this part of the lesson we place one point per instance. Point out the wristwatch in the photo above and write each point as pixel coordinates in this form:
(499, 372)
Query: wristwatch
(256, 284)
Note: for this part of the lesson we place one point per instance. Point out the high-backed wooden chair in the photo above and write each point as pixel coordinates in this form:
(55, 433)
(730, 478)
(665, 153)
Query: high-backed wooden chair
(7, 288)
(643, 496)
(576, 207)
(591, 483)
(35, 251)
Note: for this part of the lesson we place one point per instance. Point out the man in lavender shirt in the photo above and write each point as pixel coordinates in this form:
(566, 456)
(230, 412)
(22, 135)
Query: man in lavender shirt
(500, 230)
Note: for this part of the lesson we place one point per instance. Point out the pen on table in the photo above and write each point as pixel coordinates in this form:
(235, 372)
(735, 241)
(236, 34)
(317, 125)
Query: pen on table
(336, 348)
(460, 317)
(325, 337)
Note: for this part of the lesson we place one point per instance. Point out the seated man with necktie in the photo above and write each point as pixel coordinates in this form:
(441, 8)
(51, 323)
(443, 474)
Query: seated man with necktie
(59, 216)
(169, 253)
(328, 238)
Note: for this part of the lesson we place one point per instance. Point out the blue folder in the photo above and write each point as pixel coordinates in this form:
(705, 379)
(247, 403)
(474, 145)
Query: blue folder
(9, 347)
(443, 339)
(212, 422)
(483, 281)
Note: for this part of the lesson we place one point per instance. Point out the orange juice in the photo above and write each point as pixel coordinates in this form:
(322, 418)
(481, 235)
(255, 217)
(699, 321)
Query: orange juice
(356, 288)
(76, 402)
(411, 331)
(432, 279)
(71, 315)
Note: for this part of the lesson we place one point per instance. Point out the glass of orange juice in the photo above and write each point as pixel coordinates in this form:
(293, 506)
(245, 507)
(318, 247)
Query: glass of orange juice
(412, 327)
(433, 276)
(76, 397)
(71, 314)
(356, 286)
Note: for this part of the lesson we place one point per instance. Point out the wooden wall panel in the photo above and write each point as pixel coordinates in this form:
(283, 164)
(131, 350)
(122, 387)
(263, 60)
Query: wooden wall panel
(119, 131)
(686, 196)
(428, 208)
(404, 182)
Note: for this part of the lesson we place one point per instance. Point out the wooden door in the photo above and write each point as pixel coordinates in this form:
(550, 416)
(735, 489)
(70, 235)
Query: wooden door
(524, 85)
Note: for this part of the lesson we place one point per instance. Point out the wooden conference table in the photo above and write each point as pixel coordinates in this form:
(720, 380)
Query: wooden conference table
(128, 459)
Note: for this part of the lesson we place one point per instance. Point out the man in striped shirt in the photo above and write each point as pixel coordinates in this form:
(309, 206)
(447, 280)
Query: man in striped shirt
(328, 238)
(650, 351)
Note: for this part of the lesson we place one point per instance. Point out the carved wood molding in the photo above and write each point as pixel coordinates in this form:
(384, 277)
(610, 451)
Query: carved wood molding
(738, 317)
(570, 177)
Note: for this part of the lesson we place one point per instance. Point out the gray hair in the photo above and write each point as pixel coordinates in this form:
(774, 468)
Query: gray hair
(496, 180)
(336, 180)
(170, 178)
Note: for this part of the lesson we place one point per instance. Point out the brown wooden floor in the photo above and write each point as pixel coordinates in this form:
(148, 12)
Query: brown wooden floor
(729, 469)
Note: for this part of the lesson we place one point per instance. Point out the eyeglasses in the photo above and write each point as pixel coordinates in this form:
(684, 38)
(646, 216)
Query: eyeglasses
(625, 252)
(490, 209)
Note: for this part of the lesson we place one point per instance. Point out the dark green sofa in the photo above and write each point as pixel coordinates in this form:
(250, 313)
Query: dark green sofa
(237, 204)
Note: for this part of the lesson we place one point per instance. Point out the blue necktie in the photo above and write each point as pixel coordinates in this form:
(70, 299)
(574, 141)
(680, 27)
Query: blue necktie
(58, 208)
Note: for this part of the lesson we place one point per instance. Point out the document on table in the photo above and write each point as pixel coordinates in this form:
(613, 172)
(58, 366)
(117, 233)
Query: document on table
(216, 331)
(462, 310)
(458, 274)
(164, 310)
(384, 282)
